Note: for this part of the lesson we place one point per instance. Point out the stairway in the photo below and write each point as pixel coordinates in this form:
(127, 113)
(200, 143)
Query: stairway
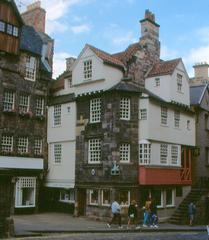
(180, 215)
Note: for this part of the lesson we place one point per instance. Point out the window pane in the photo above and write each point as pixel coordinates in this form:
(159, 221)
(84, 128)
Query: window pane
(2, 26)
(30, 69)
(87, 65)
(125, 152)
(95, 110)
(125, 108)
(57, 115)
(94, 150)
(8, 101)
(124, 197)
(9, 29)
(57, 153)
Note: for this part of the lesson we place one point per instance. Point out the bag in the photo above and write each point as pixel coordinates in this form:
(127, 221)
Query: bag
(132, 215)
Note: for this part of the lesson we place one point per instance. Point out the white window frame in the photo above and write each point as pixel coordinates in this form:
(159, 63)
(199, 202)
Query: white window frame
(94, 151)
(24, 103)
(22, 146)
(67, 196)
(164, 115)
(125, 153)
(173, 200)
(91, 191)
(177, 117)
(179, 82)
(57, 116)
(157, 82)
(129, 198)
(145, 153)
(174, 155)
(25, 182)
(9, 29)
(102, 193)
(2, 26)
(15, 31)
(30, 68)
(163, 154)
(8, 101)
(57, 153)
(87, 69)
(39, 110)
(95, 110)
(7, 143)
(125, 110)
(38, 146)
(143, 114)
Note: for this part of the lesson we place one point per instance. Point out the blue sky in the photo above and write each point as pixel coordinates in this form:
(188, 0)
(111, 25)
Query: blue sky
(112, 25)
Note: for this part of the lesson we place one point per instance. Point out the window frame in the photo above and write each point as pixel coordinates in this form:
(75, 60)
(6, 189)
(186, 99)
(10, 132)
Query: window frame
(10, 101)
(2, 26)
(87, 69)
(95, 110)
(57, 115)
(22, 143)
(177, 118)
(7, 142)
(125, 152)
(57, 153)
(164, 116)
(162, 154)
(91, 191)
(179, 81)
(38, 146)
(21, 183)
(39, 107)
(102, 197)
(172, 198)
(174, 154)
(143, 114)
(67, 199)
(125, 108)
(30, 68)
(126, 204)
(24, 103)
(94, 151)
(142, 154)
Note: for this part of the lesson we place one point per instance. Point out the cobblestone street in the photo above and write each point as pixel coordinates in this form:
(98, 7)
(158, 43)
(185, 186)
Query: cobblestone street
(125, 236)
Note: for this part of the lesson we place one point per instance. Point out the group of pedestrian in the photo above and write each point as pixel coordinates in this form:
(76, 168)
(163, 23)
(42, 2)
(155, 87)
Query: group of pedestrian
(150, 214)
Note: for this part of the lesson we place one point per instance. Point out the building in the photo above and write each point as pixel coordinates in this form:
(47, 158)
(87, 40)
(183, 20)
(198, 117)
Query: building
(133, 127)
(25, 74)
(199, 101)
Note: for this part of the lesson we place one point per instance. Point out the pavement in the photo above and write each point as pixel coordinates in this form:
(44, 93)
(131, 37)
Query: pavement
(39, 224)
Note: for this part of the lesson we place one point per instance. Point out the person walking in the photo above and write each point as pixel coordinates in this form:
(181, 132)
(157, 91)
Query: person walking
(153, 214)
(116, 212)
(146, 221)
(191, 212)
(132, 213)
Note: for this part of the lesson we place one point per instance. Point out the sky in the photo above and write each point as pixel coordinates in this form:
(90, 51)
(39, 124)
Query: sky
(112, 25)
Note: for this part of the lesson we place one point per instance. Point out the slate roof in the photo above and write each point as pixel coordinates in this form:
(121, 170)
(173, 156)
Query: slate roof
(106, 57)
(125, 86)
(164, 68)
(196, 94)
(30, 40)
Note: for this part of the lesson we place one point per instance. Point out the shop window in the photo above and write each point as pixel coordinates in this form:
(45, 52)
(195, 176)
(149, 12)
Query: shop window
(93, 197)
(105, 197)
(67, 196)
(25, 192)
(169, 197)
(124, 197)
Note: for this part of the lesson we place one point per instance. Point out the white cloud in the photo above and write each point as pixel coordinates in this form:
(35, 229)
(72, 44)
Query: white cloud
(81, 28)
(59, 64)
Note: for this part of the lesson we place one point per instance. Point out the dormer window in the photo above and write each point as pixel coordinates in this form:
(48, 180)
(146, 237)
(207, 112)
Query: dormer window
(179, 82)
(157, 82)
(30, 68)
(87, 69)
(2, 26)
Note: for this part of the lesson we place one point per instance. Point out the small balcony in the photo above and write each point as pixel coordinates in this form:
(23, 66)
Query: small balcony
(167, 175)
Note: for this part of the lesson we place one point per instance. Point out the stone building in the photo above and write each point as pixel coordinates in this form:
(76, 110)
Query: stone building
(199, 94)
(25, 74)
(120, 148)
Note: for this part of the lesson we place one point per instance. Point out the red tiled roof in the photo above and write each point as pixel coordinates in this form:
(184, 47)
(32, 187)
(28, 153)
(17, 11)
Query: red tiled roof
(106, 57)
(164, 68)
(128, 53)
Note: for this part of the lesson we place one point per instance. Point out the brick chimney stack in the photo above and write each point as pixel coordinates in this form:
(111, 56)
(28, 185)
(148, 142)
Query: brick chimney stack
(35, 16)
(201, 73)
